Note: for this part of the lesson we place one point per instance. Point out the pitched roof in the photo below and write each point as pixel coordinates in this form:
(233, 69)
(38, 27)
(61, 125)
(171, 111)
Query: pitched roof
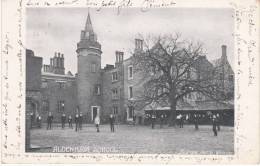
(88, 26)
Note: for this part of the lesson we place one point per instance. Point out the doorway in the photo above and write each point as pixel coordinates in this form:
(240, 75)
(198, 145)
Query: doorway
(94, 112)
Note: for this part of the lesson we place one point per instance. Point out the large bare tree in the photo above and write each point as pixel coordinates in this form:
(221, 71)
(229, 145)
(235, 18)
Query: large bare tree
(173, 68)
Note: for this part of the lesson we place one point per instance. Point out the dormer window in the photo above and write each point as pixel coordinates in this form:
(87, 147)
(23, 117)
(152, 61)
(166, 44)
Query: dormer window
(87, 35)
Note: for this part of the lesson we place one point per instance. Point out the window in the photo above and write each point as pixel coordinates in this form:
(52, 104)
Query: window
(130, 112)
(45, 105)
(115, 110)
(114, 94)
(130, 90)
(61, 84)
(114, 76)
(93, 67)
(97, 89)
(44, 84)
(61, 105)
(130, 72)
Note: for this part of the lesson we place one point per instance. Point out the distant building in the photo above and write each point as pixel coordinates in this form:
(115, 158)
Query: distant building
(112, 90)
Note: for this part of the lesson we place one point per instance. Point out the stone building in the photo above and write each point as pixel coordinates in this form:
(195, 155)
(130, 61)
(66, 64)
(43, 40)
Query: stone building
(33, 94)
(112, 89)
(33, 83)
(58, 90)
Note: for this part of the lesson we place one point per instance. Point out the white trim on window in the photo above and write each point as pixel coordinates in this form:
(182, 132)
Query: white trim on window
(114, 79)
(130, 73)
(132, 92)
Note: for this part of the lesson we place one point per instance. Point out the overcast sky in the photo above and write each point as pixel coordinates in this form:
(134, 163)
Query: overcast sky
(58, 29)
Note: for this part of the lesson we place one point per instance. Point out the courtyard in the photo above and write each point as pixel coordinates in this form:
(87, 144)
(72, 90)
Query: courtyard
(134, 139)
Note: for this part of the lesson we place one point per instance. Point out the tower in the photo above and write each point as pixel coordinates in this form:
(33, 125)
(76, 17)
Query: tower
(89, 73)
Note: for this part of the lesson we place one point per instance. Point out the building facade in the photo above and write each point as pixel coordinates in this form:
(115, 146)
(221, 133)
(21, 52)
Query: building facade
(112, 90)
(58, 89)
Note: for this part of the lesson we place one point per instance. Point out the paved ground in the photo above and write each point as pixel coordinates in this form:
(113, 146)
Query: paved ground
(135, 139)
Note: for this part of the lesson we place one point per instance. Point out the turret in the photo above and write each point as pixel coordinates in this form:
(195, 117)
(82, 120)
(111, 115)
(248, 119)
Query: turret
(89, 72)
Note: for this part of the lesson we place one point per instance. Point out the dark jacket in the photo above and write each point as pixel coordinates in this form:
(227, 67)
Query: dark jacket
(112, 120)
(63, 118)
(214, 122)
(49, 118)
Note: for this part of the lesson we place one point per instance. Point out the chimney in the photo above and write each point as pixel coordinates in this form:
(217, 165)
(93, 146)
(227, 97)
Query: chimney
(62, 60)
(119, 58)
(224, 50)
(138, 44)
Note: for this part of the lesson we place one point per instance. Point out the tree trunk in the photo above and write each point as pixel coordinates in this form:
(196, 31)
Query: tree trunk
(172, 119)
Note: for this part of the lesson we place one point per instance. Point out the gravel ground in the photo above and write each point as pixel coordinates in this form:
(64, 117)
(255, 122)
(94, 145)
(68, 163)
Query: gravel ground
(134, 139)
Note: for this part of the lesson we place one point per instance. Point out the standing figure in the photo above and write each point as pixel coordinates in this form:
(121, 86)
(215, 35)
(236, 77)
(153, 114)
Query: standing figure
(80, 121)
(161, 120)
(134, 119)
(39, 121)
(97, 122)
(179, 118)
(181, 121)
(153, 120)
(214, 122)
(196, 122)
(77, 121)
(70, 121)
(49, 120)
(63, 120)
(112, 122)
(31, 117)
(218, 122)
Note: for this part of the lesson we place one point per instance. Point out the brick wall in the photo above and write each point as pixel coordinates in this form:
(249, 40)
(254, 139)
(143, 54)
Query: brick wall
(57, 89)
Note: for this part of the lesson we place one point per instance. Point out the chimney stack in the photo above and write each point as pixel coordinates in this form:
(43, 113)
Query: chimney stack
(62, 60)
(138, 44)
(119, 56)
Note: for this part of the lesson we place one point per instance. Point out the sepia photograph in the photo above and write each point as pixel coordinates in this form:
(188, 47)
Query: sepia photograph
(159, 81)
(130, 82)
(135, 82)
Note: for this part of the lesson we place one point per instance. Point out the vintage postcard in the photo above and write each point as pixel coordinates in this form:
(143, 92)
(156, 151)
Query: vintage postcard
(127, 81)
